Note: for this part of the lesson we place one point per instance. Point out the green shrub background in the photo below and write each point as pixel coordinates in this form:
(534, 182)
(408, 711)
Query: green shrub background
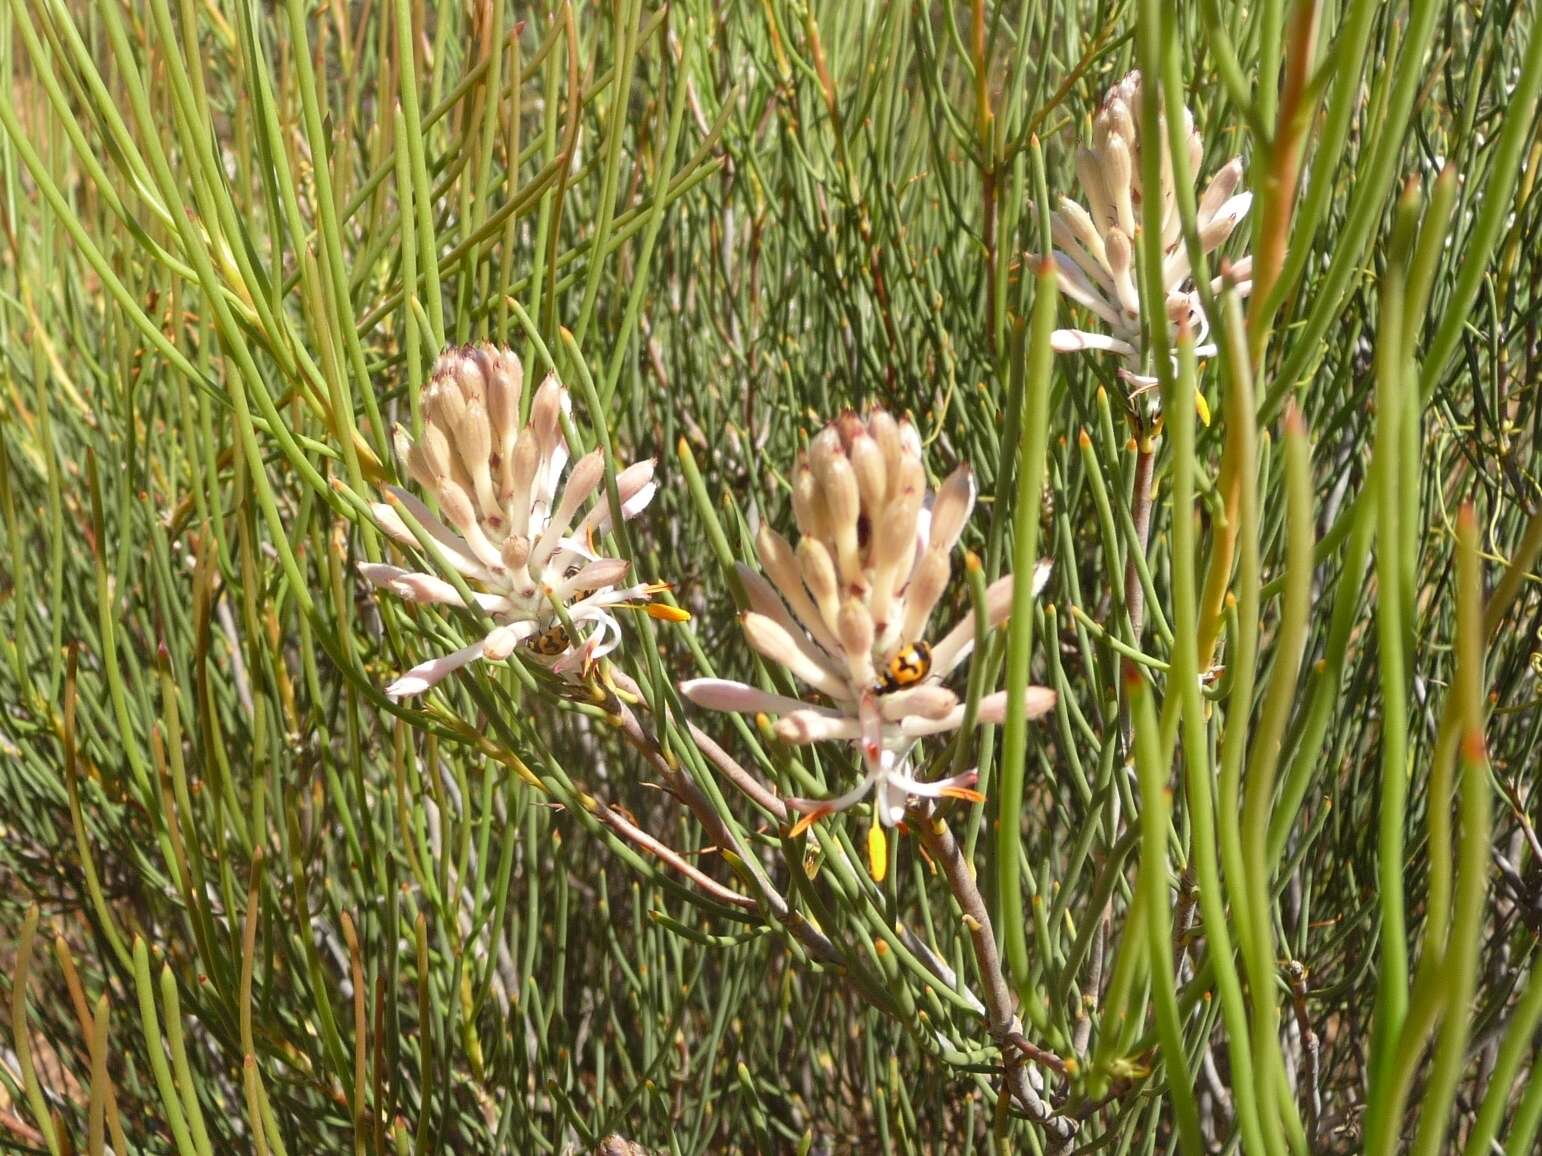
(301, 918)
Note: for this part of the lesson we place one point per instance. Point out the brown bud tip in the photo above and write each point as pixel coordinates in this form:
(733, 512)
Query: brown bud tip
(1295, 422)
(1474, 749)
(1130, 673)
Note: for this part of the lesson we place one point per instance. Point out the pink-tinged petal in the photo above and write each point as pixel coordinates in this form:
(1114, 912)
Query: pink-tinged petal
(722, 694)
(958, 643)
(1219, 190)
(600, 574)
(811, 726)
(634, 486)
(426, 674)
(1239, 270)
(612, 596)
(1215, 231)
(587, 475)
(874, 753)
(1038, 700)
(783, 571)
(391, 524)
(928, 700)
(638, 502)
(411, 586)
(1086, 251)
(917, 727)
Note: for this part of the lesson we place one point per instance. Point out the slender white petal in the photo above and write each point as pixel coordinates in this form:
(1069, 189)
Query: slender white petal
(722, 694)
(808, 726)
(1074, 284)
(768, 637)
(426, 674)
(1038, 700)
(1078, 340)
(764, 600)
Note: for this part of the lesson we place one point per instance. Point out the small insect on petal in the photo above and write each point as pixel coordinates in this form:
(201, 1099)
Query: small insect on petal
(877, 853)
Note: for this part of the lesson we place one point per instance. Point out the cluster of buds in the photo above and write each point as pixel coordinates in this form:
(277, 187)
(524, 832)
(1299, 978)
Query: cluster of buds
(847, 612)
(508, 523)
(1094, 246)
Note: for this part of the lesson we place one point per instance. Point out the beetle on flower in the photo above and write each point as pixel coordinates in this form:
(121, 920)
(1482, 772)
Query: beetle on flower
(847, 613)
(1094, 246)
(508, 522)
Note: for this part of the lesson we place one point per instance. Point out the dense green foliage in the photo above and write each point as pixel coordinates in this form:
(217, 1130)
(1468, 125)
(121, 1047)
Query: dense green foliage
(1267, 876)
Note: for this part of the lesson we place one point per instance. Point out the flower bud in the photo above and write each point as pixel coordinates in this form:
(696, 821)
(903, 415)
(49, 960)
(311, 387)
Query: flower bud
(951, 509)
(818, 570)
(854, 627)
(871, 472)
(518, 475)
(808, 506)
(546, 412)
(443, 403)
(505, 381)
(515, 552)
(927, 583)
(465, 366)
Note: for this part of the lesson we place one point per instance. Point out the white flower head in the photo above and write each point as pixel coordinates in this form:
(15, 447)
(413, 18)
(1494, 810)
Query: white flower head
(847, 611)
(509, 522)
(1095, 245)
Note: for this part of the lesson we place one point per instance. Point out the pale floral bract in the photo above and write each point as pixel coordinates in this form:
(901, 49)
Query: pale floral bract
(1094, 245)
(847, 611)
(509, 523)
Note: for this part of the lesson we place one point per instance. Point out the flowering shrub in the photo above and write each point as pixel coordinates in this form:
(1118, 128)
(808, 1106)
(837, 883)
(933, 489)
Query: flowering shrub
(365, 364)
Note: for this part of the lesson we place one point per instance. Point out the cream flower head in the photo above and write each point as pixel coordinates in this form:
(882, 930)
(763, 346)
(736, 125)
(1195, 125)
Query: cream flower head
(1094, 246)
(508, 523)
(847, 611)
